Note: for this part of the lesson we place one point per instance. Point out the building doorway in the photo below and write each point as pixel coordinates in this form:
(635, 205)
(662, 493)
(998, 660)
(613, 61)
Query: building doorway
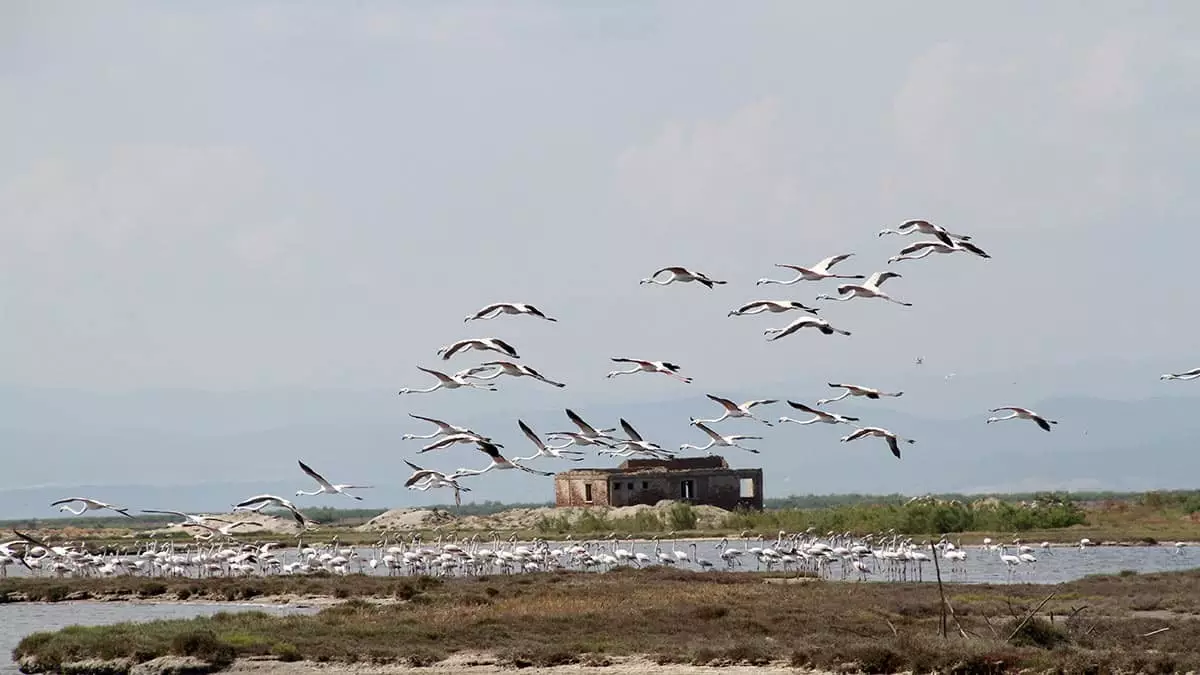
(687, 489)
(747, 488)
(587, 492)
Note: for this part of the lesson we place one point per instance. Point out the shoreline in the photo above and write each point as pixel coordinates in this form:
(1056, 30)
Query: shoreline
(471, 663)
(655, 620)
(482, 663)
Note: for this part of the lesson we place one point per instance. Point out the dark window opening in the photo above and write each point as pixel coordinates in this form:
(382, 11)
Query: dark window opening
(645, 485)
(687, 489)
(587, 492)
(631, 486)
(616, 486)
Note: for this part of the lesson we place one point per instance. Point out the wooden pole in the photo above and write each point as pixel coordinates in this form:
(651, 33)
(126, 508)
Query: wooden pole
(937, 568)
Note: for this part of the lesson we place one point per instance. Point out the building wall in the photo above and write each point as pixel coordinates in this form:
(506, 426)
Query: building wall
(572, 490)
(647, 489)
(721, 488)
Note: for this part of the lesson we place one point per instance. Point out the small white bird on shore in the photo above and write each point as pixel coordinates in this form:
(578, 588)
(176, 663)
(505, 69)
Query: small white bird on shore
(1022, 413)
(815, 273)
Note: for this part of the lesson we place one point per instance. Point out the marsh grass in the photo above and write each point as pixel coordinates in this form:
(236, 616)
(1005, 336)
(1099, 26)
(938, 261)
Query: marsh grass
(679, 517)
(684, 617)
(216, 589)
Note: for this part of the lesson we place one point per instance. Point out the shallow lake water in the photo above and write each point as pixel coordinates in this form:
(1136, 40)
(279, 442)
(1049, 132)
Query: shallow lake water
(1056, 565)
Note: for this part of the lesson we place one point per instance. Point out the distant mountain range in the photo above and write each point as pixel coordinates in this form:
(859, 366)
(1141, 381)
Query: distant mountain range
(204, 451)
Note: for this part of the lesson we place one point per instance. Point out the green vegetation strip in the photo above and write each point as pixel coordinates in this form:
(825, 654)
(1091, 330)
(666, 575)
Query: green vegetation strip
(1143, 517)
(1098, 624)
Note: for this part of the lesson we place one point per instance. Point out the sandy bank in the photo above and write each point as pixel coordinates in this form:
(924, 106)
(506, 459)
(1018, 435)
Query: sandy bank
(481, 664)
(707, 517)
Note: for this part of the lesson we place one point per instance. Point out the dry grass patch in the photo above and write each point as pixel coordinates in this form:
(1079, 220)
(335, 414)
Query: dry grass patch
(685, 617)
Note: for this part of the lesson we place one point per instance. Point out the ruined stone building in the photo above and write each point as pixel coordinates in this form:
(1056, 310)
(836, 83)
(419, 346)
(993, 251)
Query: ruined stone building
(698, 480)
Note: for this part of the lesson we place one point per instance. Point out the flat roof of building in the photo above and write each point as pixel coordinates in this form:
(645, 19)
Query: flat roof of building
(710, 463)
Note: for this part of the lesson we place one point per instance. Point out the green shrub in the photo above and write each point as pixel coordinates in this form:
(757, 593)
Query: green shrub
(204, 645)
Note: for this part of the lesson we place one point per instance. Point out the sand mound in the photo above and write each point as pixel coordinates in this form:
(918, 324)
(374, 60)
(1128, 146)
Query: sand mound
(262, 522)
(407, 519)
(527, 519)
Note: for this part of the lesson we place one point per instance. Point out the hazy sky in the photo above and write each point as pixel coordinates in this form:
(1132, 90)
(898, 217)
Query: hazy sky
(232, 195)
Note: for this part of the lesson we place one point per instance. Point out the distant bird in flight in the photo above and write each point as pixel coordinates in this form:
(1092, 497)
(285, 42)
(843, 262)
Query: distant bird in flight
(188, 519)
(556, 451)
(496, 309)
(451, 439)
(587, 434)
(1023, 413)
(680, 274)
(775, 306)
(498, 463)
(718, 439)
(869, 289)
(804, 322)
(856, 390)
(893, 440)
(258, 502)
(326, 487)
(925, 227)
(424, 479)
(635, 443)
(86, 504)
(445, 381)
(444, 429)
(733, 409)
(506, 368)
(929, 247)
(815, 273)
(641, 366)
(819, 416)
(480, 344)
(1186, 375)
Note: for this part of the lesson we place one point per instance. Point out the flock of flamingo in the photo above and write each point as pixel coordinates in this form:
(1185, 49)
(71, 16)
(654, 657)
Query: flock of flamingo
(603, 440)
